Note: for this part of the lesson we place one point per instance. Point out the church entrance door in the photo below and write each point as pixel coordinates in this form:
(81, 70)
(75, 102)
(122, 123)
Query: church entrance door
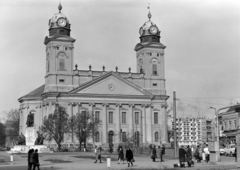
(137, 138)
(110, 137)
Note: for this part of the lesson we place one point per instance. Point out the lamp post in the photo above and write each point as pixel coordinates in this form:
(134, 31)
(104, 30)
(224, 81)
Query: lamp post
(216, 156)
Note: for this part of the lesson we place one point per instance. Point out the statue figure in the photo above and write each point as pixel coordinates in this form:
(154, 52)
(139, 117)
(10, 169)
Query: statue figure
(30, 120)
(21, 140)
(40, 139)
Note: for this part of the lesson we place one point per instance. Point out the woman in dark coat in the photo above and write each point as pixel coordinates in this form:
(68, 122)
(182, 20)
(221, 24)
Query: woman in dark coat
(35, 160)
(159, 153)
(29, 154)
(129, 156)
(98, 155)
(31, 160)
(120, 155)
(154, 153)
(182, 156)
(189, 155)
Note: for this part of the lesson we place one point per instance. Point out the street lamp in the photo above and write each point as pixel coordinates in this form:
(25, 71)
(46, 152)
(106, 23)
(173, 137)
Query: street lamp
(216, 144)
(216, 124)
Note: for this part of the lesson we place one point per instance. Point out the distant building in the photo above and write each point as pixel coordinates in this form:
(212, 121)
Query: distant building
(229, 124)
(191, 131)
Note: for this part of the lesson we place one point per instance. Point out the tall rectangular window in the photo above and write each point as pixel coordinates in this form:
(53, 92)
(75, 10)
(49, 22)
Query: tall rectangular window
(110, 117)
(137, 117)
(97, 116)
(235, 124)
(154, 69)
(123, 117)
(230, 127)
(155, 117)
(61, 64)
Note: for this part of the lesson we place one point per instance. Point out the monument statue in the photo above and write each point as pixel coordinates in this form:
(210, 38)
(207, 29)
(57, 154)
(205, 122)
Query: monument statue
(30, 120)
(22, 140)
(40, 139)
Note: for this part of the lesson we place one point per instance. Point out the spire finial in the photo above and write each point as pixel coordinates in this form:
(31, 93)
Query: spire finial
(59, 7)
(149, 13)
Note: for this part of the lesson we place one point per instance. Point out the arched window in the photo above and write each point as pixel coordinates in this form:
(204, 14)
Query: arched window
(124, 137)
(61, 61)
(154, 66)
(156, 136)
(137, 138)
(155, 117)
(97, 137)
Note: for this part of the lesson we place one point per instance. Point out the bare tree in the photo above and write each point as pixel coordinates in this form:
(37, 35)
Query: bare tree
(2, 134)
(55, 125)
(83, 125)
(12, 127)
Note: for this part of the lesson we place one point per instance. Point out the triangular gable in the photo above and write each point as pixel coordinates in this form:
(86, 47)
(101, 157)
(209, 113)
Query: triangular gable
(110, 83)
(58, 38)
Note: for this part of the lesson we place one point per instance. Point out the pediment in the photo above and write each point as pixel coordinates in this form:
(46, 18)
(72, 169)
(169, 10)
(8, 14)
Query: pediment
(58, 38)
(110, 84)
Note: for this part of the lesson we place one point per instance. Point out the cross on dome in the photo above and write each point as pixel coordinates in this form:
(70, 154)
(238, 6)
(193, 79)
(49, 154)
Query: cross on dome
(149, 13)
(60, 7)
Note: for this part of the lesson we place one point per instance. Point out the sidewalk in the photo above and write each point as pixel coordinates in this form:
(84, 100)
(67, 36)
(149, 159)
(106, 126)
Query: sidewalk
(76, 161)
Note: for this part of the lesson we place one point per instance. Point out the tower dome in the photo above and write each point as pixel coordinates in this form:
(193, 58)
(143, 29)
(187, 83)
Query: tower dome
(59, 24)
(149, 28)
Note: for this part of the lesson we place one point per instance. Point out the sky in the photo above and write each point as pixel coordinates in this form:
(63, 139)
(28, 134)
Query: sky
(202, 57)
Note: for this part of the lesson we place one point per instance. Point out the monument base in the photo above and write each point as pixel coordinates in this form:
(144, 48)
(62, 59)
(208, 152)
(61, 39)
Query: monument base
(25, 149)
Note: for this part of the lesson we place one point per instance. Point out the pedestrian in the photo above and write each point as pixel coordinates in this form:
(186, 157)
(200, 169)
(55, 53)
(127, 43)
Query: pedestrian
(235, 153)
(98, 155)
(150, 149)
(120, 155)
(159, 153)
(31, 160)
(163, 153)
(182, 156)
(189, 156)
(36, 160)
(29, 154)
(154, 153)
(207, 153)
(129, 156)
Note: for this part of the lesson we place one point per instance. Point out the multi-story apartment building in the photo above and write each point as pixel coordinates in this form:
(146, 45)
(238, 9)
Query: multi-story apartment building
(191, 131)
(229, 124)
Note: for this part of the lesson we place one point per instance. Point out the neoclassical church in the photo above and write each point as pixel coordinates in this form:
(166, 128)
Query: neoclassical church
(126, 103)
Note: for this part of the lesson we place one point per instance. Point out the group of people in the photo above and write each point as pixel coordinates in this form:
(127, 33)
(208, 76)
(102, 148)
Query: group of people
(157, 152)
(185, 155)
(33, 160)
(202, 153)
(121, 152)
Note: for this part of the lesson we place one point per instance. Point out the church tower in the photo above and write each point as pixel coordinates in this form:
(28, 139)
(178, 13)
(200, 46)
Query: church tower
(59, 54)
(150, 57)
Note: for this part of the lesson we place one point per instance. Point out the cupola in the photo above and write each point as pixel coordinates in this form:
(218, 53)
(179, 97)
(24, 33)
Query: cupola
(59, 24)
(149, 32)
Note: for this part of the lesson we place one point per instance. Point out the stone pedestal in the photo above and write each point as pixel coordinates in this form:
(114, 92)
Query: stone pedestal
(31, 136)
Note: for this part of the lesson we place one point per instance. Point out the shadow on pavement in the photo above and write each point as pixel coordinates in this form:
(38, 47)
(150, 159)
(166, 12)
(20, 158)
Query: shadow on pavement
(25, 167)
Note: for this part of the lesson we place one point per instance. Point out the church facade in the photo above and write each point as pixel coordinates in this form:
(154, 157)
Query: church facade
(132, 103)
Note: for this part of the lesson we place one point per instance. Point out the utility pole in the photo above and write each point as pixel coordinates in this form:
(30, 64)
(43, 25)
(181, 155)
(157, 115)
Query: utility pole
(174, 124)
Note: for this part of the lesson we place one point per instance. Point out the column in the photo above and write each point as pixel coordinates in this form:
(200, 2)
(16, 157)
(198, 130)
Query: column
(70, 113)
(165, 128)
(104, 123)
(118, 123)
(131, 130)
(143, 124)
(151, 112)
(93, 120)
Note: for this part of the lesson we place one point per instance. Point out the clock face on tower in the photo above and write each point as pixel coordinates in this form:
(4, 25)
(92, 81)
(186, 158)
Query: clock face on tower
(61, 22)
(153, 30)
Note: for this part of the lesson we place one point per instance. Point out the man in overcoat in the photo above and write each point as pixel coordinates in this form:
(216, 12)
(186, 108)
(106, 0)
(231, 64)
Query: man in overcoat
(129, 156)
(182, 156)
(189, 155)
